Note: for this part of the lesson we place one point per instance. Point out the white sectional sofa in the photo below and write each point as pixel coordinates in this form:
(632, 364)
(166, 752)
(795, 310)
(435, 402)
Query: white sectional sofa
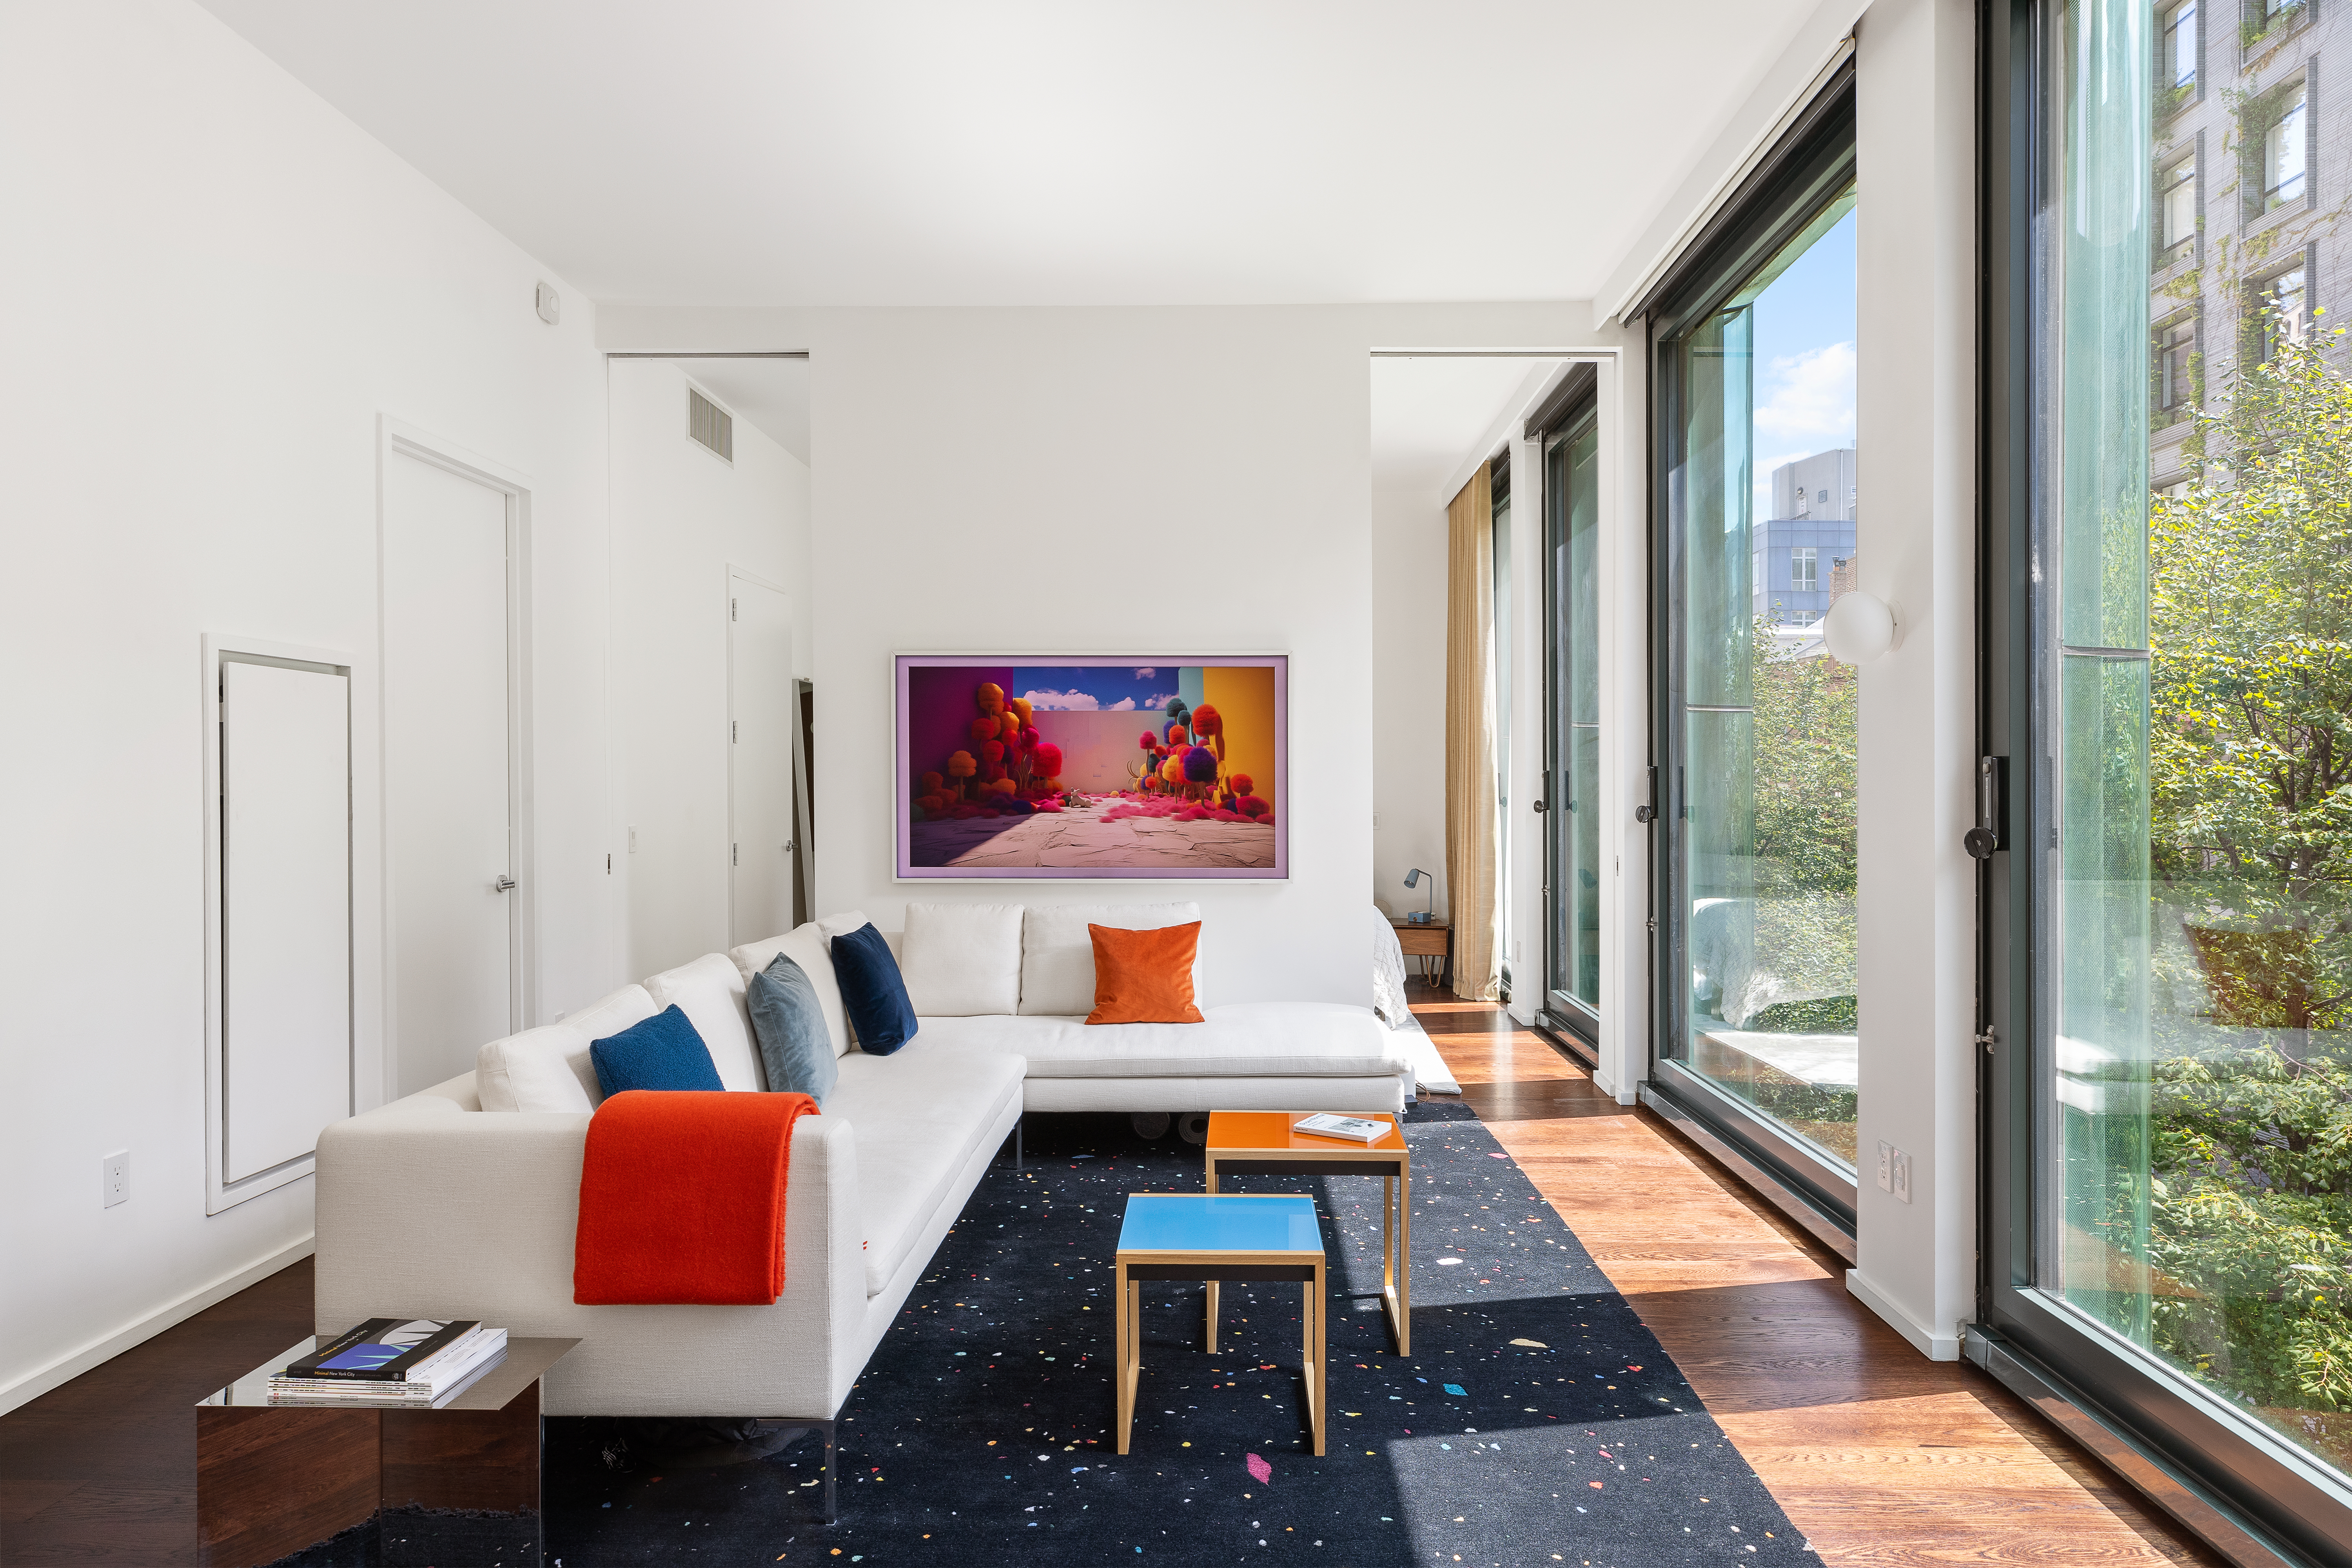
(461, 1201)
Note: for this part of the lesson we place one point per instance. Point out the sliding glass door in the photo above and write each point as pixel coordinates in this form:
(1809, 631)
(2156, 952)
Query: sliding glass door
(1755, 845)
(1572, 880)
(2168, 628)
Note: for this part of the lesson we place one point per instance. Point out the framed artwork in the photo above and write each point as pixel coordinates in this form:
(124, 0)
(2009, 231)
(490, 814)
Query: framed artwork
(1137, 767)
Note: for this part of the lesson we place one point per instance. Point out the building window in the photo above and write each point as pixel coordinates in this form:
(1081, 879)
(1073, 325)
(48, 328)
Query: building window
(2178, 59)
(2176, 351)
(2278, 313)
(1804, 569)
(2283, 149)
(2176, 191)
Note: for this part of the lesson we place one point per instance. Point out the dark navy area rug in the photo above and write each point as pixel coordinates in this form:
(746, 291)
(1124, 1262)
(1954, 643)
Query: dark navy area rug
(1536, 1421)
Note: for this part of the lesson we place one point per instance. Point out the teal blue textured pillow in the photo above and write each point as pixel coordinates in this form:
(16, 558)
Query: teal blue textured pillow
(664, 1052)
(795, 1046)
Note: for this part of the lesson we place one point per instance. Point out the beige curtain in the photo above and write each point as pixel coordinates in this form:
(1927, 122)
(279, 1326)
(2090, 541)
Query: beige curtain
(1471, 855)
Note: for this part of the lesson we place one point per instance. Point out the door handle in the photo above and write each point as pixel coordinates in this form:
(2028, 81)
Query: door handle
(1542, 805)
(503, 885)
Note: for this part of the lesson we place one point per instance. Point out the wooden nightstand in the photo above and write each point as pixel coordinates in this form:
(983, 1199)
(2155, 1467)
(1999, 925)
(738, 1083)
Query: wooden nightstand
(1434, 940)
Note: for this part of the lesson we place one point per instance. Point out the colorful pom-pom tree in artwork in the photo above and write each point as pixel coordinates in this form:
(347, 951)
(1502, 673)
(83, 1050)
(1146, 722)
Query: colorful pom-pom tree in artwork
(1091, 768)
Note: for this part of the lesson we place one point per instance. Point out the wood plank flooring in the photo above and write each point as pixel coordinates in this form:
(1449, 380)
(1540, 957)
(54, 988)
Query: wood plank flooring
(1880, 1456)
(102, 1471)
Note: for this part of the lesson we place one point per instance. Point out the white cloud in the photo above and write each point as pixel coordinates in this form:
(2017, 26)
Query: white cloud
(1145, 674)
(1124, 705)
(1065, 701)
(1809, 398)
(1162, 700)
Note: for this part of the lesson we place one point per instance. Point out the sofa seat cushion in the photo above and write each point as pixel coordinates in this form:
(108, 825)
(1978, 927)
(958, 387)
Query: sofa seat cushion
(920, 1114)
(1241, 1039)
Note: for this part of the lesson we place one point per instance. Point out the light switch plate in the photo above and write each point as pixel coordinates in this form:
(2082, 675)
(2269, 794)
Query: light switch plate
(1902, 1188)
(1885, 1166)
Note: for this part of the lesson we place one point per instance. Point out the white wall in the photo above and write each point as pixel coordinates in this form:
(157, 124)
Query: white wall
(1103, 480)
(681, 517)
(1915, 435)
(1409, 577)
(217, 285)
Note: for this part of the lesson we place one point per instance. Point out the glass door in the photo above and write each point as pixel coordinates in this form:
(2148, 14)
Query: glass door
(1572, 881)
(1755, 842)
(2169, 621)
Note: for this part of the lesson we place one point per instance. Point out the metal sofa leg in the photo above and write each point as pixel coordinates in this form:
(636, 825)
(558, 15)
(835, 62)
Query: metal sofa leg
(832, 1469)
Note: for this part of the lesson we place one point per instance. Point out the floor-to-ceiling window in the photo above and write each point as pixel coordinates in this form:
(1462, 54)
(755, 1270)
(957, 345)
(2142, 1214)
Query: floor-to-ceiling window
(1755, 842)
(1500, 484)
(1569, 438)
(2168, 606)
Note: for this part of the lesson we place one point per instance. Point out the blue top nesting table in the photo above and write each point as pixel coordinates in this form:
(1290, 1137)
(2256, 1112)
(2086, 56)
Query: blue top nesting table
(1217, 1236)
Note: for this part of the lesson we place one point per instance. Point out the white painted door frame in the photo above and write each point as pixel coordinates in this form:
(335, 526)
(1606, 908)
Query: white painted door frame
(739, 575)
(397, 439)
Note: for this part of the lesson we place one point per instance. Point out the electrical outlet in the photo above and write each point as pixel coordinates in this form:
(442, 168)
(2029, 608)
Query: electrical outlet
(1885, 1166)
(115, 1183)
(633, 840)
(1902, 1187)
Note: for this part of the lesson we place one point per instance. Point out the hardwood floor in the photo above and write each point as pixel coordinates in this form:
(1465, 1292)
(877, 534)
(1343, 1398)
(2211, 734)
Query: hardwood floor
(103, 1471)
(1879, 1456)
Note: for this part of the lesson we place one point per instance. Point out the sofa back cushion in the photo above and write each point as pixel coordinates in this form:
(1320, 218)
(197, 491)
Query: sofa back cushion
(1145, 977)
(709, 992)
(548, 1068)
(810, 947)
(1058, 956)
(962, 961)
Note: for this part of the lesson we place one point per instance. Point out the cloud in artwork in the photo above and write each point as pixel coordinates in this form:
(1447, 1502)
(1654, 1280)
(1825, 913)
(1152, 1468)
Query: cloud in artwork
(1145, 674)
(1124, 705)
(1065, 701)
(1160, 699)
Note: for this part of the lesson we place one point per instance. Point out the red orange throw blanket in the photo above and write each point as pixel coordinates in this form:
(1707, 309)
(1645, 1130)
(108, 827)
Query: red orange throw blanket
(682, 1198)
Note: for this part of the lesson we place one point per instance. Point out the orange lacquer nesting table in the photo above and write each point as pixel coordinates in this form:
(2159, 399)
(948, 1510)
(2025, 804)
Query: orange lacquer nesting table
(1261, 1143)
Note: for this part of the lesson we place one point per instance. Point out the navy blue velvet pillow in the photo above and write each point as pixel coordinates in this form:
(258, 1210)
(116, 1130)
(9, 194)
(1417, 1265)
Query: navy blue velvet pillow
(664, 1052)
(871, 993)
(795, 1045)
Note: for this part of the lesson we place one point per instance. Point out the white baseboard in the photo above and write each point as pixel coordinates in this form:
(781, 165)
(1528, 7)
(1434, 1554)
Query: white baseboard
(1925, 1340)
(72, 1364)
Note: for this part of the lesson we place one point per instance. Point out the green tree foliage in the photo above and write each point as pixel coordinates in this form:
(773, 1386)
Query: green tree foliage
(2249, 753)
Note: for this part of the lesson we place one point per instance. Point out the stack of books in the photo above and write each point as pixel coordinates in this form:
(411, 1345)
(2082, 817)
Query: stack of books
(1354, 1129)
(415, 1361)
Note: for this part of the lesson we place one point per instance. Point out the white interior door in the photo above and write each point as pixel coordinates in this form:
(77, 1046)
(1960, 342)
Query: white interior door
(449, 754)
(763, 703)
(286, 909)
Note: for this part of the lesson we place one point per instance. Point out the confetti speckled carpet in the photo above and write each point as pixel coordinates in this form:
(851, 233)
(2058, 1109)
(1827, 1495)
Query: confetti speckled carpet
(1537, 1421)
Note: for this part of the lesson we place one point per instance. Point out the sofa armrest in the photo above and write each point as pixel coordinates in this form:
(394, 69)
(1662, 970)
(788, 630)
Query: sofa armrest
(426, 1209)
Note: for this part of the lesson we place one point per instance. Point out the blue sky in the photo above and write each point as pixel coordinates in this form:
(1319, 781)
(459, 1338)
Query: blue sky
(1804, 348)
(1096, 686)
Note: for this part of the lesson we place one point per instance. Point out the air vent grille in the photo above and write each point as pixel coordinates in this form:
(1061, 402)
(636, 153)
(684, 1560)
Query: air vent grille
(710, 424)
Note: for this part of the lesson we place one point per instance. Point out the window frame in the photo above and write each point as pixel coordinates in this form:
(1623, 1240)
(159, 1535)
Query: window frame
(2225, 1477)
(1815, 161)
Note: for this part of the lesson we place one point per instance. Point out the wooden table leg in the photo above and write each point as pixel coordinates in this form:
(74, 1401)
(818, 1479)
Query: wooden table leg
(1315, 1304)
(1127, 1356)
(1396, 1278)
(1212, 1284)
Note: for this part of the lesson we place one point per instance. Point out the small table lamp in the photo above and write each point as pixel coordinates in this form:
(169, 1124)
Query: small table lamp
(1413, 879)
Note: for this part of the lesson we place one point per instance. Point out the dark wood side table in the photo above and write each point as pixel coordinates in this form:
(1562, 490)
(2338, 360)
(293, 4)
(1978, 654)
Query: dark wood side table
(1434, 940)
(455, 1483)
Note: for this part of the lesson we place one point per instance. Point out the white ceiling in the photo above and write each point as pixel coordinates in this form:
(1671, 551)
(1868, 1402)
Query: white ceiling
(1046, 152)
(772, 395)
(1431, 416)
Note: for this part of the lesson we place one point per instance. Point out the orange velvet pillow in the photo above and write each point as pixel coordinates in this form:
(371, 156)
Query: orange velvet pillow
(1144, 976)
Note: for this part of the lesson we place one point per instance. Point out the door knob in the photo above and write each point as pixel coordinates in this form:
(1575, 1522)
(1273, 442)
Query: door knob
(503, 885)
